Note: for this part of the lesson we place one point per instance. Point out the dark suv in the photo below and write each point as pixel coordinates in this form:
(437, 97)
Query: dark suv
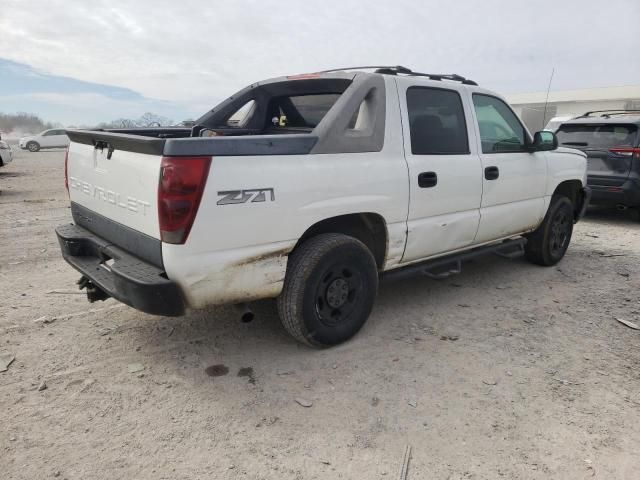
(612, 144)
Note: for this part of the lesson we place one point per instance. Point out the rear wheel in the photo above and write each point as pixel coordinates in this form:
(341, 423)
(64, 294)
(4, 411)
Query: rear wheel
(329, 290)
(33, 146)
(549, 242)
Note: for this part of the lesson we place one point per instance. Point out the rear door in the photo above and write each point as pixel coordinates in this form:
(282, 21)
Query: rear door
(57, 138)
(47, 139)
(444, 169)
(608, 147)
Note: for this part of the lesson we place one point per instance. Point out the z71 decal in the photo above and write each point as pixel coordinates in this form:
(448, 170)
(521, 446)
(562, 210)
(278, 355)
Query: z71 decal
(231, 197)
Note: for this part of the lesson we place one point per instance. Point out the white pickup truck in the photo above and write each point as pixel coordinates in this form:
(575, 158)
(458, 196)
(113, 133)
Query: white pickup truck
(310, 188)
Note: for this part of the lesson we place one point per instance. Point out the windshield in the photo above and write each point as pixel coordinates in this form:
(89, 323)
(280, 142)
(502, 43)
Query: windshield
(603, 136)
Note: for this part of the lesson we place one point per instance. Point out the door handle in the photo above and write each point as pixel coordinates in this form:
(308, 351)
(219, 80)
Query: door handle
(491, 173)
(427, 179)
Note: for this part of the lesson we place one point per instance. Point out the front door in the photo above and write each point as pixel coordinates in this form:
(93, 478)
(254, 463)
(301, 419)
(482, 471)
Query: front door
(514, 179)
(444, 169)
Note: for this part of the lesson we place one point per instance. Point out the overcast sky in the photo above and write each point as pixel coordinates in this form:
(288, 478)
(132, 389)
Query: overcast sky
(179, 58)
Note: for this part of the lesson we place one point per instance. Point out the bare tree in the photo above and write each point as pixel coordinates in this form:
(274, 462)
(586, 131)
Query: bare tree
(148, 119)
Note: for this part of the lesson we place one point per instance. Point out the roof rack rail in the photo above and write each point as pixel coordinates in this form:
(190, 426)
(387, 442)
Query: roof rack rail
(608, 113)
(400, 70)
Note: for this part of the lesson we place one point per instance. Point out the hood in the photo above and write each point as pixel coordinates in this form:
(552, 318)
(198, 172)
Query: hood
(570, 150)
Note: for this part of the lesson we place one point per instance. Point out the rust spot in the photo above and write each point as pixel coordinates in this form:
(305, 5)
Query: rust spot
(265, 256)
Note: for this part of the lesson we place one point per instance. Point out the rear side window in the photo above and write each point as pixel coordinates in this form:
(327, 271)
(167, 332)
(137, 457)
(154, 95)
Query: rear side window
(596, 136)
(302, 111)
(436, 121)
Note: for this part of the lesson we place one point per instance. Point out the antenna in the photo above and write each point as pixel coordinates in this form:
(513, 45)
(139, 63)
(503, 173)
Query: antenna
(546, 100)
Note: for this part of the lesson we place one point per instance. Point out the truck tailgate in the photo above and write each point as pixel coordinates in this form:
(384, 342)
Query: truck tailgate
(118, 184)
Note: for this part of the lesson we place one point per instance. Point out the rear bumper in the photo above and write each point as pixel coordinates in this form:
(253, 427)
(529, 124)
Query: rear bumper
(627, 194)
(128, 279)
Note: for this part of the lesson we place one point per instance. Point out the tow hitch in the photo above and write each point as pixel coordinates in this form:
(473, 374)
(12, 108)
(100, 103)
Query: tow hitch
(94, 293)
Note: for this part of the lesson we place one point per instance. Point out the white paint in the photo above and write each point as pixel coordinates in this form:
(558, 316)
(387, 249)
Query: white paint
(238, 252)
(123, 188)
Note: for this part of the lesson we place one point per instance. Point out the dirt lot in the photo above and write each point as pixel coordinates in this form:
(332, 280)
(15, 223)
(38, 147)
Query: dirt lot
(506, 371)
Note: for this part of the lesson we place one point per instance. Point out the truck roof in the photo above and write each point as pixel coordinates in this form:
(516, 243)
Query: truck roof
(608, 116)
(613, 119)
(400, 70)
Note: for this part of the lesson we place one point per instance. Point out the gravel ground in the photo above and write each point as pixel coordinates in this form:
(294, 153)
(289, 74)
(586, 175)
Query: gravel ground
(508, 370)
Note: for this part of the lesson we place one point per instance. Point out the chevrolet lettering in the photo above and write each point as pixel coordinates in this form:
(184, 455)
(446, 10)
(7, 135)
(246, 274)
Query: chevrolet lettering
(109, 196)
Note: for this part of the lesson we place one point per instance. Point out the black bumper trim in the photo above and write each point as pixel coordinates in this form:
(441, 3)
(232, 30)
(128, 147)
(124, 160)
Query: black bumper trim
(627, 194)
(138, 244)
(128, 279)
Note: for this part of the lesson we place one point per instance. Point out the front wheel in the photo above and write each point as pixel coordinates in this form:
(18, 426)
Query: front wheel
(549, 242)
(33, 146)
(329, 290)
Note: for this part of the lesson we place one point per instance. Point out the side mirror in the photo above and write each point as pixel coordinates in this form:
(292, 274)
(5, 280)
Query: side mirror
(543, 141)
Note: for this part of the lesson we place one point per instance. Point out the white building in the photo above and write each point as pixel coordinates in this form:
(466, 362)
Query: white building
(531, 106)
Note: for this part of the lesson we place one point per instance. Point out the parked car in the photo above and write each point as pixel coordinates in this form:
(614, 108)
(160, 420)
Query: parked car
(611, 141)
(6, 155)
(329, 181)
(555, 122)
(54, 138)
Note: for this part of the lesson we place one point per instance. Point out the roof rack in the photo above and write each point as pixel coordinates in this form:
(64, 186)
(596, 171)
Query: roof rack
(609, 113)
(400, 70)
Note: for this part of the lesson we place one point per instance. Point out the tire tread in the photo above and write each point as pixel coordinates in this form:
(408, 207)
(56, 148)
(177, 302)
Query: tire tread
(535, 249)
(299, 268)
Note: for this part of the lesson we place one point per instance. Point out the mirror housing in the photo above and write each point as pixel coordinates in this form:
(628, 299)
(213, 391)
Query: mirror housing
(543, 141)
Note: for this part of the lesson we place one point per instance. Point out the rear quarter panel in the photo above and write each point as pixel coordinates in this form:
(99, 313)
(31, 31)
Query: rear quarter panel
(238, 252)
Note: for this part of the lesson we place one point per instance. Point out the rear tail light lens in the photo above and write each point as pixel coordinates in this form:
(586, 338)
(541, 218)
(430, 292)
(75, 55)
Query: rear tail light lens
(182, 181)
(625, 151)
(66, 170)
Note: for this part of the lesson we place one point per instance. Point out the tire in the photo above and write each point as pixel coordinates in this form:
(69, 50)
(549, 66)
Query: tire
(33, 147)
(549, 242)
(329, 290)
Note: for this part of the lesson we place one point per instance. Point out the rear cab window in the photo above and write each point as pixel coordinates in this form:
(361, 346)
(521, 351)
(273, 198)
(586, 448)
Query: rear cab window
(299, 111)
(287, 106)
(597, 136)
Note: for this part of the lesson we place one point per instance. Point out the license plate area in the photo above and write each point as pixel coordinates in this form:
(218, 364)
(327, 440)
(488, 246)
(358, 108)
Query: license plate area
(101, 155)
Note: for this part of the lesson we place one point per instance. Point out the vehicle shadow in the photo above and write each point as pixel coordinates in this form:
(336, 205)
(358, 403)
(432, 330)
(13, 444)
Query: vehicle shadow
(10, 174)
(216, 337)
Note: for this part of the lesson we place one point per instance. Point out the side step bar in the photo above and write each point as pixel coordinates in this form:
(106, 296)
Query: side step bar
(451, 264)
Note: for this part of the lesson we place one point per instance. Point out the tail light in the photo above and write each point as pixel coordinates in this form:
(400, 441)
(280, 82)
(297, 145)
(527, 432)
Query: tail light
(626, 151)
(182, 181)
(66, 170)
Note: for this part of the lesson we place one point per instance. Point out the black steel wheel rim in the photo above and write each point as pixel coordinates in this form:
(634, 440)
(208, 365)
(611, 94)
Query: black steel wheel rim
(337, 295)
(560, 232)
